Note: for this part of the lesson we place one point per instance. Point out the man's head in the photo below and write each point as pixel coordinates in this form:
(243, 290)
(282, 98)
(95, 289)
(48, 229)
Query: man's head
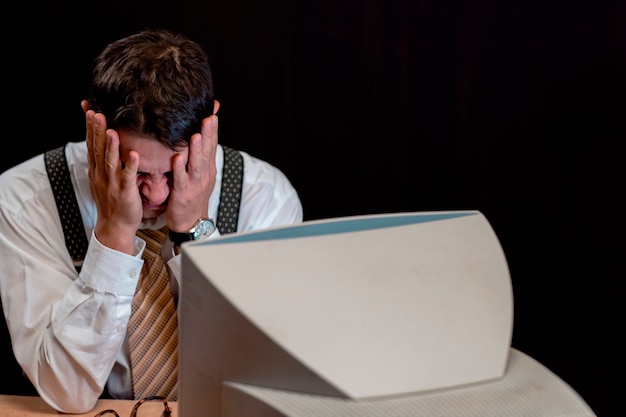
(153, 84)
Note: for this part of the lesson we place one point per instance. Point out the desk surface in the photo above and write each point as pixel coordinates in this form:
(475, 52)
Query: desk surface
(21, 406)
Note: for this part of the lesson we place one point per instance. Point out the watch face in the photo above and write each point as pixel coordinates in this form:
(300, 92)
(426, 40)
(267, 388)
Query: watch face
(204, 228)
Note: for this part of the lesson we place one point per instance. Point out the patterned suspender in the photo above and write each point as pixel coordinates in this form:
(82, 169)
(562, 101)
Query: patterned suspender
(67, 206)
(230, 195)
(72, 222)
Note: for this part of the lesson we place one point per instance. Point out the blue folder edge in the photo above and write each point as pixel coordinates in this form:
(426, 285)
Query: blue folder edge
(339, 225)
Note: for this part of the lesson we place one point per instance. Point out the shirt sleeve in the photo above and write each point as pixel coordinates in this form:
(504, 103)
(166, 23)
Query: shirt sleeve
(66, 329)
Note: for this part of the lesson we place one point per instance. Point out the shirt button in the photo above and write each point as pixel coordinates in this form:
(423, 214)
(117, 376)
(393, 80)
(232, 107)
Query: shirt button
(133, 274)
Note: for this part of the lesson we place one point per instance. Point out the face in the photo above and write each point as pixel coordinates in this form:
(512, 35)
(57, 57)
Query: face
(154, 176)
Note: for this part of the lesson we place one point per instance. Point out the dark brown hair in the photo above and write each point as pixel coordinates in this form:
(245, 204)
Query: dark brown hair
(153, 83)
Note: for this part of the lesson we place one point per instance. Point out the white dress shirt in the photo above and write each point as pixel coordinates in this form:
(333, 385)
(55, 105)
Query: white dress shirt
(69, 330)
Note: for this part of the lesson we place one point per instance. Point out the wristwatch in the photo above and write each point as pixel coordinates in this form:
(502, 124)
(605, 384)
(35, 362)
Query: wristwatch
(202, 229)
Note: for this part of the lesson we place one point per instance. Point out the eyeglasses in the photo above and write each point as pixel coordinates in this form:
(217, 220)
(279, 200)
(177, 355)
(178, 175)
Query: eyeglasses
(167, 411)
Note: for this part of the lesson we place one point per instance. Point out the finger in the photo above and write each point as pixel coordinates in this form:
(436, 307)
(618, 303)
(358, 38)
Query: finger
(89, 137)
(202, 150)
(112, 153)
(209, 136)
(99, 142)
(180, 181)
(196, 158)
(131, 167)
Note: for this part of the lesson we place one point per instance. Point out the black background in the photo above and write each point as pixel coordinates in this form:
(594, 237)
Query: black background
(514, 108)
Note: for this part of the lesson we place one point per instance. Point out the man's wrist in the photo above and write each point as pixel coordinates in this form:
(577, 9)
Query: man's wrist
(202, 229)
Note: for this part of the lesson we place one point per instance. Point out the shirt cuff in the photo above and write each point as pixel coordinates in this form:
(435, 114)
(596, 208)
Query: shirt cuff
(108, 270)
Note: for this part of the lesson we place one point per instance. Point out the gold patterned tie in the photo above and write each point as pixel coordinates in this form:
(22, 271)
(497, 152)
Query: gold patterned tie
(153, 325)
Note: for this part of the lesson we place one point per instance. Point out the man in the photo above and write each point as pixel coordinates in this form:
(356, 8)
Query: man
(150, 159)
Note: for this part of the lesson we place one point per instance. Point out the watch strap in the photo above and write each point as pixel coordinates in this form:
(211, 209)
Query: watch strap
(179, 238)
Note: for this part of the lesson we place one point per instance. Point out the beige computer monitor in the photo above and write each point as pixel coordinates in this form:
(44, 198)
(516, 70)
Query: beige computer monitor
(356, 312)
